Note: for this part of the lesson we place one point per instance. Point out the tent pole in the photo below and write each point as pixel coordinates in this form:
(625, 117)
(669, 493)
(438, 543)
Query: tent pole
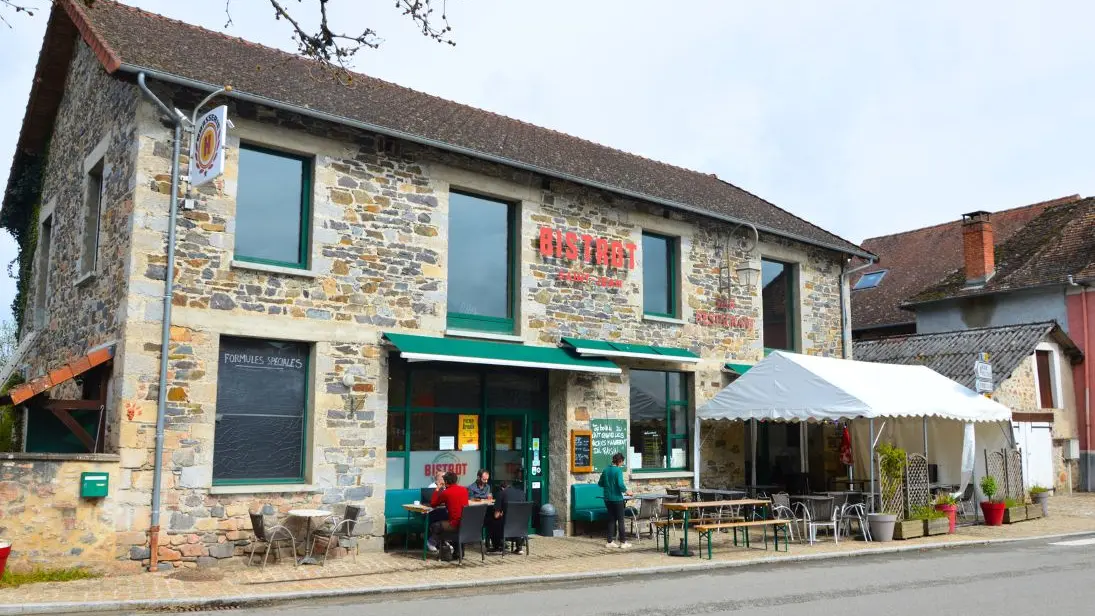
(870, 458)
(696, 453)
(753, 450)
(925, 436)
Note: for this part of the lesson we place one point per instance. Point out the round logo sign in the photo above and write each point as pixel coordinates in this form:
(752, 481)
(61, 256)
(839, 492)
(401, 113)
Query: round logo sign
(208, 143)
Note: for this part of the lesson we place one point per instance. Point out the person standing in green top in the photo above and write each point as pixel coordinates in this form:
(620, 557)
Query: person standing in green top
(612, 481)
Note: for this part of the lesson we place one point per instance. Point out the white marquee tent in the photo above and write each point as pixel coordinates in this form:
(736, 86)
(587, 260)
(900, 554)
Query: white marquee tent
(803, 388)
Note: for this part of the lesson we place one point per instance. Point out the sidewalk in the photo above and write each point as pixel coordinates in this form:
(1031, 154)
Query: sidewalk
(558, 559)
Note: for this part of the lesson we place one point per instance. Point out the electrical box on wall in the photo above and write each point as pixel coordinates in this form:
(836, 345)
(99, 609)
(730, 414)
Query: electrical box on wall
(94, 485)
(1072, 449)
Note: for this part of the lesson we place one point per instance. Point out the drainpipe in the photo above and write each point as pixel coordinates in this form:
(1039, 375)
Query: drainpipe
(845, 318)
(165, 334)
(1086, 336)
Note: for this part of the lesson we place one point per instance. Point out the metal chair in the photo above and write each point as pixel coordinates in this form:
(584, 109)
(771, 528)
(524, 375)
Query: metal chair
(802, 518)
(275, 537)
(337, 530)
(470, 531)
(856, 513)
(783, 512)
(967, 507)
(648, 512)
(515, 523)
(826, 515)
(781, 499)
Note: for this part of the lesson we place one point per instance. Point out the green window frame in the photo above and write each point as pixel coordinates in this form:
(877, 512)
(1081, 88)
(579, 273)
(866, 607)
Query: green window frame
(492, 324)
(671, 258)
(791, 301)
(306, 169)
(306, 419)
(670, 436)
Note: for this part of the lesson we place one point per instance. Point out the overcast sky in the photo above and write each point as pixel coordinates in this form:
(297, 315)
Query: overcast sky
(865, 118)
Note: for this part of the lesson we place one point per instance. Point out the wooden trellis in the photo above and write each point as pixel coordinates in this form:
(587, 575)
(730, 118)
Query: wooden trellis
(916, 483)
(1006, 466)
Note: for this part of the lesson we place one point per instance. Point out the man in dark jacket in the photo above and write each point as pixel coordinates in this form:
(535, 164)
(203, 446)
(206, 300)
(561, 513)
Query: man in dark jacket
(506, 494)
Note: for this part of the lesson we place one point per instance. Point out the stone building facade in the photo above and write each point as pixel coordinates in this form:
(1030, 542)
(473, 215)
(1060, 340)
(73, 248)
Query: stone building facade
(378, 262)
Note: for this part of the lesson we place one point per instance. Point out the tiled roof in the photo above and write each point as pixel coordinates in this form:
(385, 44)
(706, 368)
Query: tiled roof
(1058, 243)
(920, 258)
(127, 39)
(953, 354)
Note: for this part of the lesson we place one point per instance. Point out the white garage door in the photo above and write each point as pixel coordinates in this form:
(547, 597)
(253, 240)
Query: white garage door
(1036, 444)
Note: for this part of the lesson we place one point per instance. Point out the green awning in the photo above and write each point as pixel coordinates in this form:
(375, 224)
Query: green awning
(603, 348)
(738, 369)
(428, 348)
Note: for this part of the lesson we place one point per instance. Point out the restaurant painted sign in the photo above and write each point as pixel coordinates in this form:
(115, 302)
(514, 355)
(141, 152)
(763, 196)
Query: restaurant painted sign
(722, 318)
(586, 249)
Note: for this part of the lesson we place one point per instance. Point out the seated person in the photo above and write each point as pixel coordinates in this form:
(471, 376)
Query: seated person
(480, 490)
(438, 514)
(496, 522)
(454, 497)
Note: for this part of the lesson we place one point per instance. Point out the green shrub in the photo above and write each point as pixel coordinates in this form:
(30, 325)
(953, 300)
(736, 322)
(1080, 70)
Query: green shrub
(989, 488)
(12, 579)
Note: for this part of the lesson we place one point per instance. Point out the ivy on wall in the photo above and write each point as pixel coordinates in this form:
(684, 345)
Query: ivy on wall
(19, 217)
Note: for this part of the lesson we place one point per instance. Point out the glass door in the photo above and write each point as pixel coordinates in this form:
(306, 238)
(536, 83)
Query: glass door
(538, 465)
(516, 448)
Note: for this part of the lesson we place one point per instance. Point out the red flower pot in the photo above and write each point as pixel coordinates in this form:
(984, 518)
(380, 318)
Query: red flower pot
(994, 513)
(5, 551)
(952, 514)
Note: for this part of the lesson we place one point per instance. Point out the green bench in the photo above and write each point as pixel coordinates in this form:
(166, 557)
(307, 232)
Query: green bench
(587, 504)
(397, 520)
(707, 531)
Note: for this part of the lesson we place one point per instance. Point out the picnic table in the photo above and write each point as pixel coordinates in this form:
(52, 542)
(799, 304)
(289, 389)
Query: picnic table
(688, 508)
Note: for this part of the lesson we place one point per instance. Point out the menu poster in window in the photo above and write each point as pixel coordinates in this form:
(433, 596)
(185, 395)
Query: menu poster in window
(609, 438)
(581, 451)
(469, 432)
(503, 434)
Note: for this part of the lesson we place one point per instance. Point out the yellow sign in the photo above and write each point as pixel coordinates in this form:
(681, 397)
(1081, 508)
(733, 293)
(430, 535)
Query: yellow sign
(469, 433)
(503, 434)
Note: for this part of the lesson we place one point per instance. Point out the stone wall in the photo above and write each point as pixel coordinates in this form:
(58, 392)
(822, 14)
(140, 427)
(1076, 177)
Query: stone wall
(96, 119)
(44, 518)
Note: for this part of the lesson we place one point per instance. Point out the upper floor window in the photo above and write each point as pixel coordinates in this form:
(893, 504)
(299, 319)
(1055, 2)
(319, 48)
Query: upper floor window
(93, 202)
(1044, 374)
(481, 253)
(869, 280)
(779, 299)
(659, 275)
(273, 207)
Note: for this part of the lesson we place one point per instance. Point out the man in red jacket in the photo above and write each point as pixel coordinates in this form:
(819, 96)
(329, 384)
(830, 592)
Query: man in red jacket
(454, 497)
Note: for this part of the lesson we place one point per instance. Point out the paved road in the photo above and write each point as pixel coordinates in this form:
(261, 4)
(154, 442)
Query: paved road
(1033, 577)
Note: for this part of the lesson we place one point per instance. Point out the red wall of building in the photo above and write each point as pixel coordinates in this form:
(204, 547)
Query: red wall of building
(1083, 373)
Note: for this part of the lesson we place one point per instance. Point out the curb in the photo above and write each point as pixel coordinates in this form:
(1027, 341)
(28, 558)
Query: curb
(252, 600)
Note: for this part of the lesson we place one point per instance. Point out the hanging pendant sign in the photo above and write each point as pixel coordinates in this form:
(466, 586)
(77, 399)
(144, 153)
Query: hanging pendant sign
(207, 156)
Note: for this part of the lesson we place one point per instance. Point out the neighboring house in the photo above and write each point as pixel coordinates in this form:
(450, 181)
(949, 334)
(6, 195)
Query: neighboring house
(1031, 265)
(911, 261)
(1031, 374)
(382, 285)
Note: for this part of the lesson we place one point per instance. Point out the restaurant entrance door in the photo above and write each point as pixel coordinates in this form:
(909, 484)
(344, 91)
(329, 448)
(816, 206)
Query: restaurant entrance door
(516, 452)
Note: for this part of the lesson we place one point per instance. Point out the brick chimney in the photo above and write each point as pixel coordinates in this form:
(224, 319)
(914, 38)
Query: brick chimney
(977, 248)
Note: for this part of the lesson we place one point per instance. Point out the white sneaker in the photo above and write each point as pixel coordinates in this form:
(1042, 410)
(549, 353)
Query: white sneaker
(612, 545)
(623, 546)
(431, 547)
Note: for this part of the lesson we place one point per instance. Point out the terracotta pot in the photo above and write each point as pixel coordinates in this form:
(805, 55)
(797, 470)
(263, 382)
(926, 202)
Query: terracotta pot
(994, 513)
(952, 515)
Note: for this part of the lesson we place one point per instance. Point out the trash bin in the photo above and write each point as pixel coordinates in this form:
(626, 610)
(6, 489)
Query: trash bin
(547, 520)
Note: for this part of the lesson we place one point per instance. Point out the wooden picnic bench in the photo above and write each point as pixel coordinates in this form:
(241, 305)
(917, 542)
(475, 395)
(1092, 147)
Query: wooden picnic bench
(662, 527)
(708, 531)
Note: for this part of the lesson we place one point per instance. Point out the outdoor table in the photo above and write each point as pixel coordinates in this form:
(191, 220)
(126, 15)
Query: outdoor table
(424, 511)
(849, 496)
(308, 514)
(851, 483)
(687, 508)
(761, 487)
(720, 493)
(811, 500)
(695, 492)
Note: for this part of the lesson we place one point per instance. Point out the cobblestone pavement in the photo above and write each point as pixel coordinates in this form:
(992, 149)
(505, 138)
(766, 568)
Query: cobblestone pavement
(549, 557)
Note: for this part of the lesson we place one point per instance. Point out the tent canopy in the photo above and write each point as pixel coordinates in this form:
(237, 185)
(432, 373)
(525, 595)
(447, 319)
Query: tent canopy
(793, 387)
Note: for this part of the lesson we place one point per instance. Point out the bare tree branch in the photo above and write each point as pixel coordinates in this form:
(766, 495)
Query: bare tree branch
(16, 8)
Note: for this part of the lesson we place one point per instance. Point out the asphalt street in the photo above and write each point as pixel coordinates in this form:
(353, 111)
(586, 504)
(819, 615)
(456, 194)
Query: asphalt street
(1029, 577)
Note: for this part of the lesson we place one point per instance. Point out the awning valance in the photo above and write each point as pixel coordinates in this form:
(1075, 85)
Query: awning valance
(603, 348)
(429, 348)
(738, 369)
(793, 387)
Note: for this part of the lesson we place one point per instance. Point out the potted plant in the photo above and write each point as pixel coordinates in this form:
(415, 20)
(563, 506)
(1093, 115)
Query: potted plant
(1040, 496)
(991, 508)
(946, 503)
(935, 521)
(1014, 511)
(892, 468)
(912, 527)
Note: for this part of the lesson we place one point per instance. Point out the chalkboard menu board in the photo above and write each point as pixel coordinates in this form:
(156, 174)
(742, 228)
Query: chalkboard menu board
(609, 437)
(261, 395)
(581, 451)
